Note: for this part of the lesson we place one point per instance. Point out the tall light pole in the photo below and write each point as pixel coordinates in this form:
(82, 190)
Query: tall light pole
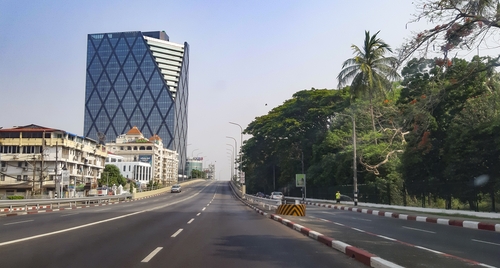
(235, 152)
(192, 153)
(241, 144)
(354, 164)
(233, 156)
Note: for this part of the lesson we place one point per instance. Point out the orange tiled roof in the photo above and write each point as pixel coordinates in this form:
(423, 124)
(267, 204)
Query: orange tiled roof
(155, 138)
(134, 131)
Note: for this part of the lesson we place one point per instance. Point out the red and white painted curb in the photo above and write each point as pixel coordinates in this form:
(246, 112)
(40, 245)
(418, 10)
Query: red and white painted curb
(353, 252)
(459, 223)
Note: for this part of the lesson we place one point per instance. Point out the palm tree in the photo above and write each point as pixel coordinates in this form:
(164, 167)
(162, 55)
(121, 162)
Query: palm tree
(370, 72)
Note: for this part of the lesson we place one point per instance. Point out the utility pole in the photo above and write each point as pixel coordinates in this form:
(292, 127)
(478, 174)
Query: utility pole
(34, 174)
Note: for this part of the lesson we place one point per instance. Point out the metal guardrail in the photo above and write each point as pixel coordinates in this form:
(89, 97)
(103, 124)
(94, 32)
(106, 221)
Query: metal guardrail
(491, 215)
(264, 202)
(24, 204)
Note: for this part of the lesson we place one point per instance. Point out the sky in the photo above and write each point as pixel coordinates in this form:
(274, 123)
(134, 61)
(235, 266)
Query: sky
(246, 56)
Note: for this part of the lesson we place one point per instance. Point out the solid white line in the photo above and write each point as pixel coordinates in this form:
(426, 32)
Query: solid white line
(152, 254)
(360, 219)
(428, 249)
(359, 230)
(190, 221)
(176, 233)
(97, 222)
(17, 222)
(419, 230)
(486, 242)
(385, 237)
(203, 209)
(198, 214)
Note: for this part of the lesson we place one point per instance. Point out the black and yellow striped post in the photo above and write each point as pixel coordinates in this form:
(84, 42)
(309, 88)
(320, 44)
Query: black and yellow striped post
(291, 209)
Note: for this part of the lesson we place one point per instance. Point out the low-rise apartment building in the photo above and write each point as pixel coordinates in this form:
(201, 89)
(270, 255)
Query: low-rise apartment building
(37, 160)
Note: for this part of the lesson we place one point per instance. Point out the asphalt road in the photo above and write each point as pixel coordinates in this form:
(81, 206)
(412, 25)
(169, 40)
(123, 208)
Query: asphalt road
(407, 243)
(204, 226)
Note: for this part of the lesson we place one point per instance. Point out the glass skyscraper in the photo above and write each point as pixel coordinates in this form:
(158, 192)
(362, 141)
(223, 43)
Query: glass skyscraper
(137, 79)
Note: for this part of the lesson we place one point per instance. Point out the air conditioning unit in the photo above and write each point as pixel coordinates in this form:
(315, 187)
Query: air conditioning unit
(16, 157)
(3, 169)
(25, 169)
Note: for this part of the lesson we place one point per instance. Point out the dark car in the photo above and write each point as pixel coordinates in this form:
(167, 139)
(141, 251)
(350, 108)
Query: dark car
(260, 194)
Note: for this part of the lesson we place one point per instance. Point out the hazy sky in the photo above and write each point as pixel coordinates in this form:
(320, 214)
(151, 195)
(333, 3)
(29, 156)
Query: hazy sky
(243, 55)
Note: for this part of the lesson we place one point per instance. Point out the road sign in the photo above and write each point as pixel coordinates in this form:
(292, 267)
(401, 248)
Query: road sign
(300, 180)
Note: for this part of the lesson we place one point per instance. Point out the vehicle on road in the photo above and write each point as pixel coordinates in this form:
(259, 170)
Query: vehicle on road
(176, 188)
(277, 195)
(260, 194)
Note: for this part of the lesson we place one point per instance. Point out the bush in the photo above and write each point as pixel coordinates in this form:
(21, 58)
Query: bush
(12, 197)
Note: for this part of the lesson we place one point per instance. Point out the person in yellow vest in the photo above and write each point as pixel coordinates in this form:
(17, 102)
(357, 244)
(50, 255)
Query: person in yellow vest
(337, 197)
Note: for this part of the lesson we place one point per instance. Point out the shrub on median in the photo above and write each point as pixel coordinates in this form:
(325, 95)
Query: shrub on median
(15, 197)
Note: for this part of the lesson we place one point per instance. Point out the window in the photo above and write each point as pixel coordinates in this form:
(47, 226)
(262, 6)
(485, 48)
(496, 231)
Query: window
(25, 177)
(18, 178)
(124, 168)
(2, 177)
(20, 164)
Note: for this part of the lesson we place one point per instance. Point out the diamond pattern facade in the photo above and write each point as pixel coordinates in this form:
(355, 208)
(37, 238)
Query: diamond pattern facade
(137, 79)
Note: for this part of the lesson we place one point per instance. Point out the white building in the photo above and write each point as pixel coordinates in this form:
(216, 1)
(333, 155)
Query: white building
(134, 148)
(140, 172)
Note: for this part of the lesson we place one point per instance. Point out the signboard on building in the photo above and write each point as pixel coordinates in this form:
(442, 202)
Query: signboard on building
(146, 159)
(197, 158)
(65, 177)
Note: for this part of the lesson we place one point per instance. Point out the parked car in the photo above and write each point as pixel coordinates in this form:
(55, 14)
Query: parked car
(260, 194)
(277, 195)
(176, 188)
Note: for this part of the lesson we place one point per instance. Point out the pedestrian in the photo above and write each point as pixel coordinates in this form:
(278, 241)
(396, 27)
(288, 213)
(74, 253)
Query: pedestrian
(337, 197)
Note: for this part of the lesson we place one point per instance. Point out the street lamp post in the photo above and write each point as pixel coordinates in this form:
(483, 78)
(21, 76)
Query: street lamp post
(354, 164)
(242, 180)
(235, 148)
(232, 163)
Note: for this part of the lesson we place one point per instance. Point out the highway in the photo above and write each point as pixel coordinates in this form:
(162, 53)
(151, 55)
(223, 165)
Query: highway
(203, 226)
(406, 243)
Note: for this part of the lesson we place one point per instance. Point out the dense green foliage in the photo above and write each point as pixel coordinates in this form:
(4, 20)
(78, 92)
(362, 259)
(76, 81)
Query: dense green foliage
(111, 175)
(430, 138)
(15, 197)
(435, 133)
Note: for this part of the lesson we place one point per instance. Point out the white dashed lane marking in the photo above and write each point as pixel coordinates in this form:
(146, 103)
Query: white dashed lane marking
(177, 233)
(415, 229)
(152, 254)
(17, 222)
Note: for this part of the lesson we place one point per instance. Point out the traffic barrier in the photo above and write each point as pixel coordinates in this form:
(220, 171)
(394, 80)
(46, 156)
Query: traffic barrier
(291, 210)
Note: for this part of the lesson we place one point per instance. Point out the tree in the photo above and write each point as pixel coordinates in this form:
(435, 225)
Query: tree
(369, 72)
(433, 95)
(111, 175)
(280, 138)
(459, 24)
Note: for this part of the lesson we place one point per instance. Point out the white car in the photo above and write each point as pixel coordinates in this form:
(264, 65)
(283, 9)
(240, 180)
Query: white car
(277, 195)
(176, 189)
